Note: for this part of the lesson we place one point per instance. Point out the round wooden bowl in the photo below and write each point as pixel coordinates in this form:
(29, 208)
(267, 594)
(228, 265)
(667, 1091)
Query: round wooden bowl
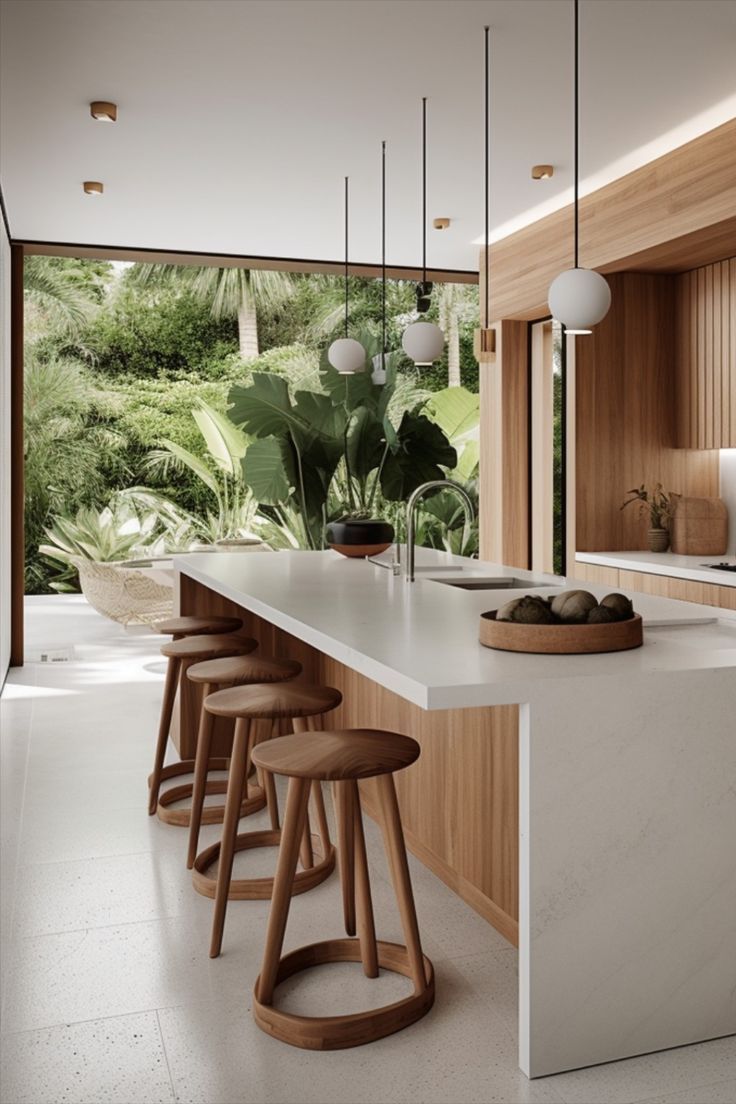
(508, 636)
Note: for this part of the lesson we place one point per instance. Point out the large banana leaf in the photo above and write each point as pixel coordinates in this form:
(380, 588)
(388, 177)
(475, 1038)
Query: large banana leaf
(456, 411)
(319, 412)
(422, 448)
(264, 408)
(226, 443)
(269, 471)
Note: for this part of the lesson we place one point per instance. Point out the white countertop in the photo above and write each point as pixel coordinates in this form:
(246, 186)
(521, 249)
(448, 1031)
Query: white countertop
(665, 563)
(420, 639)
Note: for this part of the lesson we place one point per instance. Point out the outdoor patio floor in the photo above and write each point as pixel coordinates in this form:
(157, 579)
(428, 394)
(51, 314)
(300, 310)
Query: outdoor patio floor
(108, 993)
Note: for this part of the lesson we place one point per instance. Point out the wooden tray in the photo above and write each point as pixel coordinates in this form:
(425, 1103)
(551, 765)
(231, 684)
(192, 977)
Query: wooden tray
(508, 636)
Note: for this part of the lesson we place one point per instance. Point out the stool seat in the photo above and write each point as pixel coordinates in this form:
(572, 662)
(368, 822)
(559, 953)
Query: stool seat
(244, 668)
(193, 626)
(337, 756)
(273, 701)
(208, 647)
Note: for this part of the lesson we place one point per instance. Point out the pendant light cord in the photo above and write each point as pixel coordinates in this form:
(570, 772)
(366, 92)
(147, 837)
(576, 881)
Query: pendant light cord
(576, 96)
(424, 189)
(383, 256)
(347, 292)
(487, 175)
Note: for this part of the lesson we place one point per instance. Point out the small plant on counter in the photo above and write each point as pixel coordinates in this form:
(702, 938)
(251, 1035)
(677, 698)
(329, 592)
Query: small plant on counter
(658, 505)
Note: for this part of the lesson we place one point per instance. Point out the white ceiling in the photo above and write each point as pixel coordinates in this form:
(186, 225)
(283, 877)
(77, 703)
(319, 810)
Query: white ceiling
(239, 118)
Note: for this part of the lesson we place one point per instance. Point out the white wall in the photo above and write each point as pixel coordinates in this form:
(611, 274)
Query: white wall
(4, 452)
(728, 494)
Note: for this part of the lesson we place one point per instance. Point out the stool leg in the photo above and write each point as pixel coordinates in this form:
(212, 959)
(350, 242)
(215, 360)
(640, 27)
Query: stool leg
(366, 925)
(300, 724)
(345, 851)
(321, 817)
(269, 787)
(204, 743)
(167, 708)
(393, 838)
(294, 821)
(238, 767)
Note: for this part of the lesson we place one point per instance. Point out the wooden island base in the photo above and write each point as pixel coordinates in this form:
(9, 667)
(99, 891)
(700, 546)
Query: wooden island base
(459, 801)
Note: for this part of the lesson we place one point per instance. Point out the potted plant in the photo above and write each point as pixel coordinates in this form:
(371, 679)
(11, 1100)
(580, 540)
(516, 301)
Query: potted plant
(658, 504)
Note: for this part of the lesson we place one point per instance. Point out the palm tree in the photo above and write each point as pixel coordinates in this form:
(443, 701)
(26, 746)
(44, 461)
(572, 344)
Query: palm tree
(231, 292)
(456, 303)
(63, 295)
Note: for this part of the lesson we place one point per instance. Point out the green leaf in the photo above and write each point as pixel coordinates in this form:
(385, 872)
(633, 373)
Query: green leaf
(456, 411)
(365, 444)
(319, 412)
(189, 460)
(422, 448)
(225, 443)
(269, 470)
(264, 409)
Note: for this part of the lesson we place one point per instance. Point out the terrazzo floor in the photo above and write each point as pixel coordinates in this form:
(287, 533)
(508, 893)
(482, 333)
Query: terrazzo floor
(108, 994)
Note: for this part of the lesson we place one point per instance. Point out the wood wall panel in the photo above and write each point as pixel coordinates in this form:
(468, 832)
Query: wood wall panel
(676, 212)
(504, 433)
(459, 801)
(706, 356)
(626, 414)
(685, 590)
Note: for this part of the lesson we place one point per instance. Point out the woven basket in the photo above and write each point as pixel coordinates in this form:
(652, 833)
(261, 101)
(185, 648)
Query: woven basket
(129, 595)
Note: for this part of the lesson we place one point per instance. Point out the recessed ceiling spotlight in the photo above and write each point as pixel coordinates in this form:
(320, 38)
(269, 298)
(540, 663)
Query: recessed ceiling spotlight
(542, 172)
(103, 111)
(441, 223)
(93, 187)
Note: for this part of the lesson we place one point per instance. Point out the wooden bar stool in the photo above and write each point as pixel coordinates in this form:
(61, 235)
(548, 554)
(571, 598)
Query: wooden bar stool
(294, 702)
(181, 654)
(197, 626)
(214, 675)
(342, 758)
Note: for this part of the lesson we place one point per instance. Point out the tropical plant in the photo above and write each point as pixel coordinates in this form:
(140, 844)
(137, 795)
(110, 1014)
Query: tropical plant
(63, 292)
(133, 524)
(70, 458)
(222, 473)
(653, 501)
(457, 413)
(335, 451)
(230, 292)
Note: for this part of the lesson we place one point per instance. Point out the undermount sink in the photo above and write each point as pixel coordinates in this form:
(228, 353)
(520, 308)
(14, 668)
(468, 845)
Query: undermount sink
(468, 582)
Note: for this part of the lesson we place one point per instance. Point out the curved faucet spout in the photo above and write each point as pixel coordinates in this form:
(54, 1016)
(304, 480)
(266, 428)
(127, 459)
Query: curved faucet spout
(411, 510)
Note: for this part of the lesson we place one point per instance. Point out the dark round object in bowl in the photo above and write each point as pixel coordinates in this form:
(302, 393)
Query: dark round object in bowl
(359, 537)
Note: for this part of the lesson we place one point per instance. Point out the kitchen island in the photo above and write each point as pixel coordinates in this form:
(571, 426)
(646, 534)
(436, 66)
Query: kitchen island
(584, 805)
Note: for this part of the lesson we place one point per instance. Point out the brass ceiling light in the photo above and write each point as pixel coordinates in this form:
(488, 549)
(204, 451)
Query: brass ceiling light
(103, 111)
(542, 172)
(93, 187)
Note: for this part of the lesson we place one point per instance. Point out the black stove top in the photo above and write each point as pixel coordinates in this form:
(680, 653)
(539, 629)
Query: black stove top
(721, 566)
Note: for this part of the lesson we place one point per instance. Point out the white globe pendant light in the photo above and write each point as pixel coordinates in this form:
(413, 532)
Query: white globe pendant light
(345, 354)
(579, 298)
(423, 342)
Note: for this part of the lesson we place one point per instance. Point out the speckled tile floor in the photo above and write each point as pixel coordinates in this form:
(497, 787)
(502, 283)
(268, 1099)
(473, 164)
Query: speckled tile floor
(108, 994)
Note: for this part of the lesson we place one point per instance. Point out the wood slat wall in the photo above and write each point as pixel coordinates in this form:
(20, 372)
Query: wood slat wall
(706, 356)
(663, 586)
(625, 424)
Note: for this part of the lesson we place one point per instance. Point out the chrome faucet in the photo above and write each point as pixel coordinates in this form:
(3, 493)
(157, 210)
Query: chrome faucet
(411, 507)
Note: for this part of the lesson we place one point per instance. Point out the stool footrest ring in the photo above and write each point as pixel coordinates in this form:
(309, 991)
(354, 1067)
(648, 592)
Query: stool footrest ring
(259, 889)
(338, 1032)
(211, 814)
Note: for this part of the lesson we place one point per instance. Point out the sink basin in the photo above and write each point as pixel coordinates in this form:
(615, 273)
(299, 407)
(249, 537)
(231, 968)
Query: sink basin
(469, 582)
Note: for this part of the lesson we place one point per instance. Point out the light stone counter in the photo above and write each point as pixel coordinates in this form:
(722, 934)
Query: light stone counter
(627, 787)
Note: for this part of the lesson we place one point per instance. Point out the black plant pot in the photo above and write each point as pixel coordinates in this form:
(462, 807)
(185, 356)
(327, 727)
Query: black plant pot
(358, 537)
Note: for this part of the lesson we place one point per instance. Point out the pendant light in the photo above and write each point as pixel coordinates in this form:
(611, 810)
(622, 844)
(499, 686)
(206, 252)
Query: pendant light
(379, 362)
(579, 297)
(423, 342)
(484, 339)
(346, 354)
